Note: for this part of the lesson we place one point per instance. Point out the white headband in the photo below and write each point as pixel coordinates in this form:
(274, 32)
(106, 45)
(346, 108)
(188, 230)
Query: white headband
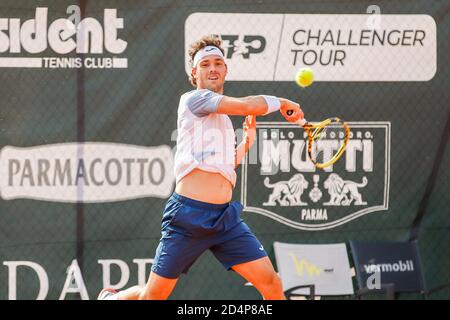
(206, 51)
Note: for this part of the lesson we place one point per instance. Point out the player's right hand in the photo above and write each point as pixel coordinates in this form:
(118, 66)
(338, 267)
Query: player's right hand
(291, 111)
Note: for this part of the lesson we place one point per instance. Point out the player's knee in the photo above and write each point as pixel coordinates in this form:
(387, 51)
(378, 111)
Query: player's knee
(271, 282)
(276, 282)
(271, 288)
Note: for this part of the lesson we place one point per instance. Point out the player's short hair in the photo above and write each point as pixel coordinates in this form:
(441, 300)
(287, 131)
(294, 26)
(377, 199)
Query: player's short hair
(208, 40)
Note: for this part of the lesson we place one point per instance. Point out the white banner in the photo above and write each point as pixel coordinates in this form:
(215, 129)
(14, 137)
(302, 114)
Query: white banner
(250, 41)
(325, 266)
(338, 47)
(86, 172)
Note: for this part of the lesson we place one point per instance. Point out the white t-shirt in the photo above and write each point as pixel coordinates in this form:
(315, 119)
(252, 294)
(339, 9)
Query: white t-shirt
(206, 140)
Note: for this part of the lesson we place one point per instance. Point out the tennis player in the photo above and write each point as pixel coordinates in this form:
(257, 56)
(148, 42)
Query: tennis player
(199, 215)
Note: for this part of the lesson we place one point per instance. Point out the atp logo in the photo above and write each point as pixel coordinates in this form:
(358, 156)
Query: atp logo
(292, 191)
(242, 45)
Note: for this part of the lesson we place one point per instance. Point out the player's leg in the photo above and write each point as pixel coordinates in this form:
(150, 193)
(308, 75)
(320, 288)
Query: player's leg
(167, 265)
(157, 288)
(245, 255)
(262, 275)
(239, 249)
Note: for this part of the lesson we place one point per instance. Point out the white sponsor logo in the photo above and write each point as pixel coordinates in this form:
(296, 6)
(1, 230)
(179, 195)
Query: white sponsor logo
(373, 282)
(400, 266)
(304, 197)
(74, 282)
(287, 193)
(63, 36)
(339, 47)
(326, 264)
(86, 172)
(343, 192)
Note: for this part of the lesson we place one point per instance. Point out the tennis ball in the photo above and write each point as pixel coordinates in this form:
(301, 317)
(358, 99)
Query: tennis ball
(304, 77)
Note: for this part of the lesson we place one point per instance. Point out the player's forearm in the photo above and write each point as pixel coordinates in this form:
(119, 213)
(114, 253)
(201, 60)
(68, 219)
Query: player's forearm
(241, 150)
(256, 105)
(251, 105)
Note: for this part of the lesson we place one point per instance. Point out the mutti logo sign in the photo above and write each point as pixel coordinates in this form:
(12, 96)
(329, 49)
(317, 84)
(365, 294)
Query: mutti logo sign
(87, 36)
(295, 193)
(242, 45)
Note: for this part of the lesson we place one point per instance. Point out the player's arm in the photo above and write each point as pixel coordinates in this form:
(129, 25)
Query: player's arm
(204, 102)
(241, 150)
(258, 106)
(252, 105)
(248, 139)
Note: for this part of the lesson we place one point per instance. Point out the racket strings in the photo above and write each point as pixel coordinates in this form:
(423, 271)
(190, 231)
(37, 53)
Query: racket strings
(327, 141)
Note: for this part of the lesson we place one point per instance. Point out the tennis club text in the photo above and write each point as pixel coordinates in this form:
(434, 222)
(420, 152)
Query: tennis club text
(88, 36)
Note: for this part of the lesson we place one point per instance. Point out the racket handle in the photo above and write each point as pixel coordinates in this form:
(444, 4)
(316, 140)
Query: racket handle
(301, 122)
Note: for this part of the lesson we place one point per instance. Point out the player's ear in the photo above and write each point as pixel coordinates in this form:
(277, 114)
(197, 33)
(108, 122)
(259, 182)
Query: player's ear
(194, 72)
(226, 69)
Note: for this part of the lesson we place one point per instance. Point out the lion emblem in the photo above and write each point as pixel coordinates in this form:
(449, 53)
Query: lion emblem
(343, 192)
(287, 193)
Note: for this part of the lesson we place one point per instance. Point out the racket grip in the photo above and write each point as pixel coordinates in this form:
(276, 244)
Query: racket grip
(302, 122)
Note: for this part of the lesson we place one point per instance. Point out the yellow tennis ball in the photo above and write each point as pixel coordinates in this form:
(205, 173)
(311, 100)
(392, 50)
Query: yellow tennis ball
(304, 77)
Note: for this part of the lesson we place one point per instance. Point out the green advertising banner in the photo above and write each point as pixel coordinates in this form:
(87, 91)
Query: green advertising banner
(88, 121)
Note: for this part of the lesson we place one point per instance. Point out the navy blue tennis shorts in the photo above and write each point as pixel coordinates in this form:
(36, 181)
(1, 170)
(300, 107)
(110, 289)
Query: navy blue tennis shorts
(190, 227)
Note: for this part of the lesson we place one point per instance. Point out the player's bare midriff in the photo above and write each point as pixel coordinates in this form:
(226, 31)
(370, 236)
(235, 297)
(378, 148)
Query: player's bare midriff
(205, 186)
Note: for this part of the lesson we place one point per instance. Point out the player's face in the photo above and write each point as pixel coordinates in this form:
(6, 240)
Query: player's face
(210, 73)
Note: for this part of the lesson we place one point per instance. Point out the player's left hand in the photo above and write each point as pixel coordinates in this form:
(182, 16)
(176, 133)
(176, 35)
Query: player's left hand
(249, 131)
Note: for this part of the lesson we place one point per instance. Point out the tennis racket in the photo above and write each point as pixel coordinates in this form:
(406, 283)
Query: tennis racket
(318, 136)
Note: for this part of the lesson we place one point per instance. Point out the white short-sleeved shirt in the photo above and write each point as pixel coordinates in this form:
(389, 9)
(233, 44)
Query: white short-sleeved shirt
(206, 140)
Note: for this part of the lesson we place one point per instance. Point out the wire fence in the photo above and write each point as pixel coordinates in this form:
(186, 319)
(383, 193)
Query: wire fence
(88, 115)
